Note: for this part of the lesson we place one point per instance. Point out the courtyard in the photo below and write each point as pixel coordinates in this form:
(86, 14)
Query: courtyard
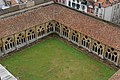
(53, 59)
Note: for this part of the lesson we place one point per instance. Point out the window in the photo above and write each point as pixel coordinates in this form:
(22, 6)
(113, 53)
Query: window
(93, 48)
(78, 6)
(83, 7)
(65, 31)
(57, 27)
(106, 55)
(73, 4)
(99, 51)
(20, 39)
(9, 44)
(69, 3)
(31, 35)
(50, 27)
(75, 36)
(97, 48)
(116, 59)
(86, 42)
(111, 55)
(40, 31)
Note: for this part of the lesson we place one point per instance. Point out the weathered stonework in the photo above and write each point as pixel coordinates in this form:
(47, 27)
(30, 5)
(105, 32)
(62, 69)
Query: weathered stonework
(96, 36)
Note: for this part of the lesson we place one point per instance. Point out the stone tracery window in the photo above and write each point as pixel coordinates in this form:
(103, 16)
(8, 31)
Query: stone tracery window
(20, 39)
(73, 4)
(41, 31)
(57, 27)
(78, 6)
(98, 48)
(50, 27)
(69, 3)
(31, 34)
(75, 36)
(65, 32)
(111, 54)
(86, 42)
(9, 43)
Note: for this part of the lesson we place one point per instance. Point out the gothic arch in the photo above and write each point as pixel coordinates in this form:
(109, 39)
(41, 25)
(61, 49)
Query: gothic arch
(111, 54)
(85, 41)
(97, 48)
(65, 32)
(9, 43)
(50, 27)
(57, 27)
(31, 35)
(40, 30)
(20, 39)
(75, 36)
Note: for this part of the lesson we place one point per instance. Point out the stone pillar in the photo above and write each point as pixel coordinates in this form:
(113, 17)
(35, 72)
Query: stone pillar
(79, 38)
(1, 53)
(69, 34)
(118, 60)
(61, 30)
(46, 27)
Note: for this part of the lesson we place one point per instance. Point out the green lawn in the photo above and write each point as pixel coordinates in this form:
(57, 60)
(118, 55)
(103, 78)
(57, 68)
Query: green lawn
(54, 60)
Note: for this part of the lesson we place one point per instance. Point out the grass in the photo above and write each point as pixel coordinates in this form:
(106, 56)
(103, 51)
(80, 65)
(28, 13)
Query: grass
(54, 60)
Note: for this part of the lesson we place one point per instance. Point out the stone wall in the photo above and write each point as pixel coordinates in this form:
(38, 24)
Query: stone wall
(20, 39)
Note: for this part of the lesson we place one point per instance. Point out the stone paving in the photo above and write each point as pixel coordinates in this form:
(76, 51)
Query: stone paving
(5, 75)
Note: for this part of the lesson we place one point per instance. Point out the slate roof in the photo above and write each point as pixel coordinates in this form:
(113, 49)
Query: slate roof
(95, 28)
